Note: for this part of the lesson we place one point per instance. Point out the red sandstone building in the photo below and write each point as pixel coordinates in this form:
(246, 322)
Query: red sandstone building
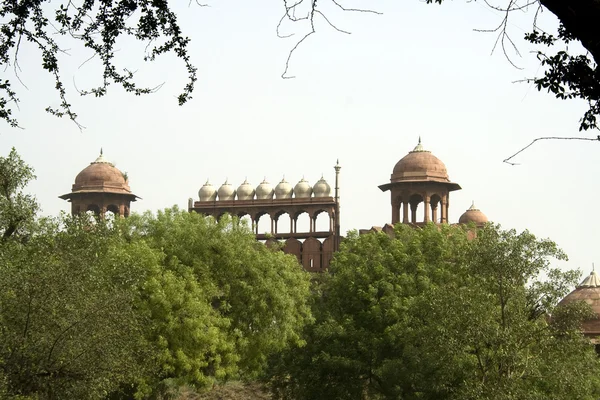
(419, 193)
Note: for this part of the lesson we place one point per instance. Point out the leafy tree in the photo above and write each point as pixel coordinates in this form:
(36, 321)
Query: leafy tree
(432, 315)
(68, 323)
(98, 25)
(232, 301)
(17, 209)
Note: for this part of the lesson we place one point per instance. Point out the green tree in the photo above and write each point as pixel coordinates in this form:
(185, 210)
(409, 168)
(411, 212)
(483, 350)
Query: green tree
(69, 327)
(232, 301)
(17, 209)
(433, 315)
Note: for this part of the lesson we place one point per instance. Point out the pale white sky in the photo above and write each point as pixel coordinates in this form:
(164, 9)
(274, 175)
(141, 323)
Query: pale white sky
(364, 98)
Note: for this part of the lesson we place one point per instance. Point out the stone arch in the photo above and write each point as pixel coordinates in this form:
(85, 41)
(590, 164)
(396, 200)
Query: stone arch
(302, 221)
(327, 251)
(311, 254)
(283, 222)
(293, 246)
(245, 219)
(435, 202)
(93, 208)
(112, 208)
(414, 200)
(322, 221)
(263, 223)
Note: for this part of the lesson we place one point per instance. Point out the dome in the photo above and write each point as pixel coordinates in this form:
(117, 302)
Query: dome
(420, 165)
(284, 190)
(264, 191)
(473, 215)
(245, 191)
(207, 192)
(322, 188)
(226, 192)
(101, 176)
(588, 291)
(302, 189)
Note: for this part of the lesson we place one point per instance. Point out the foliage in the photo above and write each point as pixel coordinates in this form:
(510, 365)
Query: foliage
(16, 208)
(129, 308)
(97, 25)
(68, 324)
(232, 301)
(432, 315)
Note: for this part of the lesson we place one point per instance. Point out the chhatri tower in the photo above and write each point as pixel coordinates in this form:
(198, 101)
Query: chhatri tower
(101, 187)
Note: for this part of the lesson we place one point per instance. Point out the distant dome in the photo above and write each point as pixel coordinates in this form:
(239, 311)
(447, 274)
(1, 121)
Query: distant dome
(284, 190)
(264, 191)
(207, 192)
(588, 291)
(245, 191)
(226, 192)
(302, 189)
(322, 188)
(473, 215)
(101, 176)
(420, 165)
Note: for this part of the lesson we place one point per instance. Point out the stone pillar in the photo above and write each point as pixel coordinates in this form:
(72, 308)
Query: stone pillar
(444, 212)
(405, 212)
(426, 204)
(413, 212)
(395, 212)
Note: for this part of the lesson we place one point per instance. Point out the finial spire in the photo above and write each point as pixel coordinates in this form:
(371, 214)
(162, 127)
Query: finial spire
(101, 151)
(419, 147)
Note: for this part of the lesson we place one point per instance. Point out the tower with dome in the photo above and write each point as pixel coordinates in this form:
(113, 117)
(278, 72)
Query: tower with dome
(100, 188)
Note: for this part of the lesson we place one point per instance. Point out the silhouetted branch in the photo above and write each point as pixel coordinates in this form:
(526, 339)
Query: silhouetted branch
(291, 8)
(506, 160)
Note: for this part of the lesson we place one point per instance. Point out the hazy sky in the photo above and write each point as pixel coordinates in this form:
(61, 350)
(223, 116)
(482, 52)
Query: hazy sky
(364, 98)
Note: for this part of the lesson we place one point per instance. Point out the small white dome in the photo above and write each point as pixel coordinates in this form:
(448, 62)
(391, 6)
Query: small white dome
(284, 190)
(302, 189)
(245, 191)
(322, 188)
(207, 192)
(264, 191)
(226, 192)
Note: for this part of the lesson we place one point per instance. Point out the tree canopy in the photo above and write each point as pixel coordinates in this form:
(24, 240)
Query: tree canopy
(98, 25)
(431, 314)
(131, 307)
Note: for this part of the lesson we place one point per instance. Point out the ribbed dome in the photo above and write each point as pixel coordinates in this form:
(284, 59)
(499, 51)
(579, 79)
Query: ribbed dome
(322, 188)
(226, 192)
(207, 192)
(473, 215)
(284, 190)
(302, 189)
(245, 191)
(420, 165)
(264, 191)
(101, 176)
(588, 291)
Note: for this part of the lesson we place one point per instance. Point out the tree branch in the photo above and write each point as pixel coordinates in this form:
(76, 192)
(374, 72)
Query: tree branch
(507, 160)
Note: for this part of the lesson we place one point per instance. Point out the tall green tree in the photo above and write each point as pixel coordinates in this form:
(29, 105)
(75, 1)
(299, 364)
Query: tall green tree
(430, 314)
(69, 327)
(238, 303)
(17, 209)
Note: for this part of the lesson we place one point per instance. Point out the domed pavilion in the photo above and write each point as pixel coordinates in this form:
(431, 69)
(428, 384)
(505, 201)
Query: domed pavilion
(101, 188)
(588, 291)
(420, 177)
(473, 215)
